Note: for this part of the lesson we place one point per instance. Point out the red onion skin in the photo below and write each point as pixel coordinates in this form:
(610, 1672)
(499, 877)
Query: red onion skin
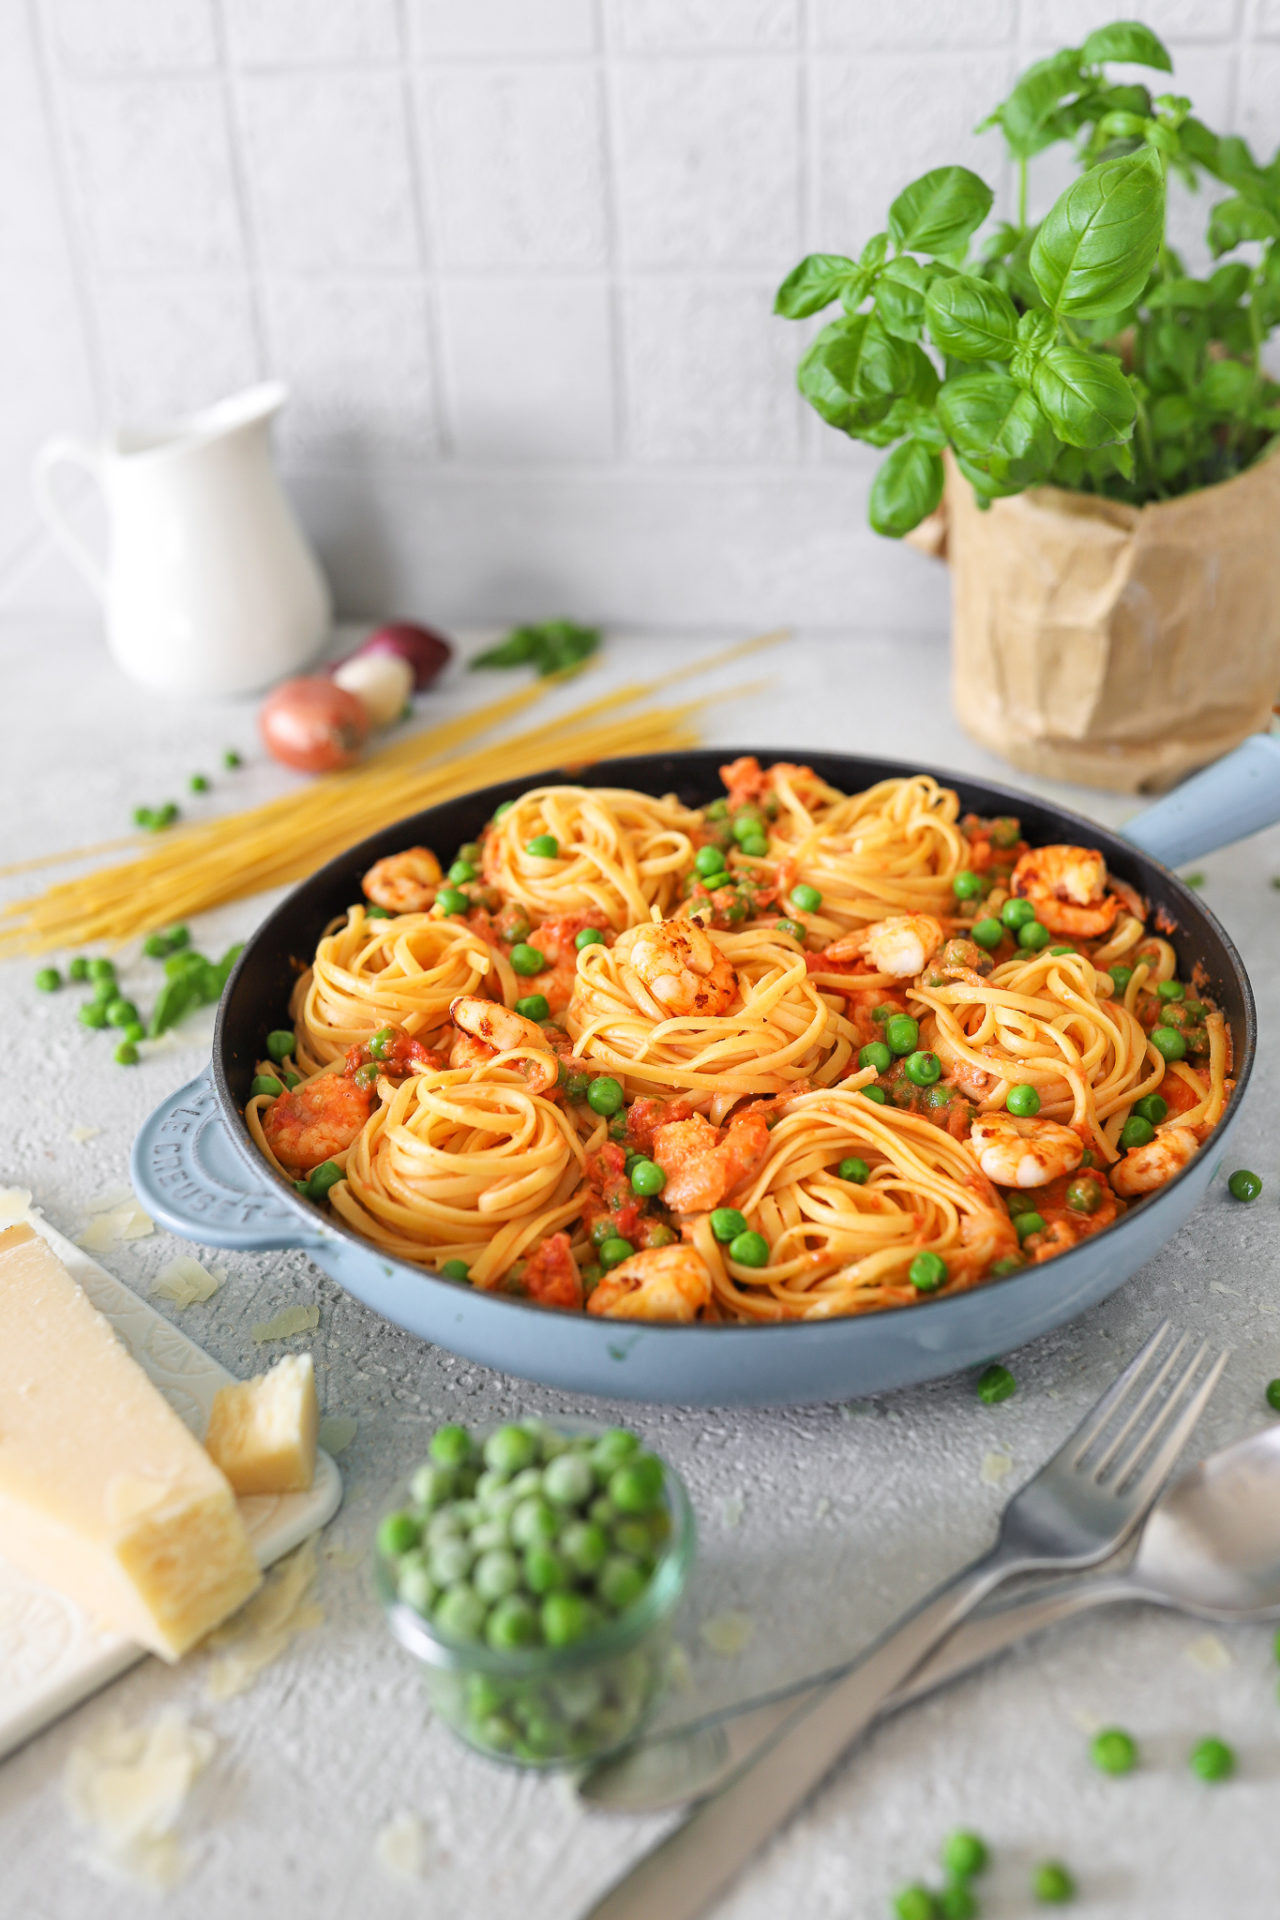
(427, 651)
(313, 725)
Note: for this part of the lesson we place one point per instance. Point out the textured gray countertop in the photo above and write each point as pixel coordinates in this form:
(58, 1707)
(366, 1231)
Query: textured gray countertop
(818, 1525)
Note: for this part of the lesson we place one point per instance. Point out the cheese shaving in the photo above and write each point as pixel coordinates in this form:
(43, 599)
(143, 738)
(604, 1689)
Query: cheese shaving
(400, 1848)
(128, 1786)
(1210, 1653)
(78, 1135)
(337, 1431)
(15, 1205)
(109, 1199)
(186, 1282)
(727, 1633)
(994, 1468)
(292, 1320)
(280, 1610)
(127, 1222)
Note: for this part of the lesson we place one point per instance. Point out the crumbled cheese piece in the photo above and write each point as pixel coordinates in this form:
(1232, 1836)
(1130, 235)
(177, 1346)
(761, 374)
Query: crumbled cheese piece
(337, 1431)
(261, 1631)
(262, 1432)
(15, 1204)
(994, 1468)
(731, 1511)
(128, 1785)
(1209, 1653)
(1219, 1286)
(186, 1282)
(109, 1199)
(78, 1135)
(727, 1633)
(292, 1320)
(126, 1222)
(400, 1848)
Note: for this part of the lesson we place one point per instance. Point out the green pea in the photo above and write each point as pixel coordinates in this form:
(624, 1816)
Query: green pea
(1033, 936)
(526, 959)
(923, 1069)
(902, 1033)
(415, 1586)
(1243, 1185)
(460, 1613)
(708, 860)
(78, 969)
(396, 1534)
(1057, 952)
(755, 846)
(964, 1854)
(496, 1574)
(876, 1095)
(915, 1903)
(647, 1179)
(622, 1580)
(589, 937)
(853, 1169)
(1212, 1760)
(543, 846)
(534, 1523)
(876, 1055)
(714, 881)
(534, 1006)
(455, 1270)
(135, 1031)
(1136, 1132)
(102, 970)
(927, 1272)
(265, 1083)
(545, 1570)
(231, 760)
(1169, 1043)
(792, 927)
(805, 899)
(513, 1623)
(1052, 1885)
(126, 1054)
(614, 1250)
(605, 1095)
(1023, 1101)
(1121, 976)
(1273, 1395)
(967, 885)
(988, 933)
(470, 850)
(501, 811)
(615, 1445)
(381, 913)
(568, 1480)
(461, 872)
(636, 1486)
(958, 1901)
(1028, 1223)
(1084, 1196)
(566, 1618)
(1171, 990)
(1114, 1751)
(48, 980)
(93, 1014)
(508, 1449)
(716, 810)
(121, 1013)
(727, 1223)
(451, 1558)
(637, 1537)
(996, 1383)
(1017, 913)
(431, 1484)
(1152, 1108)
(749, 1250)
(450, 901)
(585, 1546)
(450, 1445)
(280, 1044)
(198, 783)
(1007, 1263)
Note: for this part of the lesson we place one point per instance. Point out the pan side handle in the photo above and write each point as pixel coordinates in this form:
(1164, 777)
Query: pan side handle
(190, 1177)
(1236, 796)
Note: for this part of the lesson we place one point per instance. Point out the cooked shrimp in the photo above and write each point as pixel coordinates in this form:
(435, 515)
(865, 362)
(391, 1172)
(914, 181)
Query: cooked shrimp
(1067, 886)
(1024, 1153)
(404, 882)
(318, 1119)
(661, 1283)
(901, 946)
(681, 967)
(959, 1071)
(705, 1164)
(1143, 1169)
(501, 1030)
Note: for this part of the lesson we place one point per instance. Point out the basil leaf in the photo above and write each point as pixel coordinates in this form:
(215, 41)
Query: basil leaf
(899, 298)
(971, 320)
(939, 211)
(1172, 416)
(1096, 246)
(173, 1002)
(998, 427)
(850, 373)
(874, 253)
(1226, 387)
(1127, 40)
(814, 284)
(1085, 396)
(1234, 221)
(906, 489)
(1026, 117)
(1182, 292)
(1229, 283)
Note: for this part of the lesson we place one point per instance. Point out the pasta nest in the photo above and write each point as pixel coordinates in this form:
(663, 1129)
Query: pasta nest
(372, 973)
(894, 849)
(617, 853)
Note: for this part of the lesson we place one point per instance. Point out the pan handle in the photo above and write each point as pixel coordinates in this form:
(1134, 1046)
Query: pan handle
(189, 1176)
(1237, 795)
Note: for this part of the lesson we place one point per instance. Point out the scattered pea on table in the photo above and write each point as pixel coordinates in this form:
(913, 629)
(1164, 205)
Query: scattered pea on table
(1114, 1751)
(996, 1383)
(1052, 1885)
(1244, 1185)
(1212, 1759)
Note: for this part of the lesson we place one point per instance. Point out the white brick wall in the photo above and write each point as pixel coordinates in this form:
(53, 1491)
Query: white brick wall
(515, 259)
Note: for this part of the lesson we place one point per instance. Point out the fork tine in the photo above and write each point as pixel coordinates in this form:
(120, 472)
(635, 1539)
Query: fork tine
(1144, 1400)
(1161, 1464)
(1096, 1419)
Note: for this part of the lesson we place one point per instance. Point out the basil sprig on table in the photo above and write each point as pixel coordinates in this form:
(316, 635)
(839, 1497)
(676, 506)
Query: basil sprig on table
(1076, 350)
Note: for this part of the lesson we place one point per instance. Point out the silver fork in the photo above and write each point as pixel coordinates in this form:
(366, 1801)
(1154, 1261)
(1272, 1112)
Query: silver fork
(1078, 1509)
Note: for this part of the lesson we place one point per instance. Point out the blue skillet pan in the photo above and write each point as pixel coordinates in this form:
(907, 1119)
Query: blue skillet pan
(195, 1167)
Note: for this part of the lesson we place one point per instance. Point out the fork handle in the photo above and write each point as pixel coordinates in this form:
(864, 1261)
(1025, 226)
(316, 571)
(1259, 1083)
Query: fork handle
(681, 1876)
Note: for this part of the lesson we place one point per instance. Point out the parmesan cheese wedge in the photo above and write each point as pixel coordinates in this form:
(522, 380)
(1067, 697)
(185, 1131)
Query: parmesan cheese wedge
(104, 1494)
(262, 1432)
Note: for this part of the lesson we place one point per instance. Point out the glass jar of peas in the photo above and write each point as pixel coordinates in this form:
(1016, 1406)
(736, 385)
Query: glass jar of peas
(534, 1571)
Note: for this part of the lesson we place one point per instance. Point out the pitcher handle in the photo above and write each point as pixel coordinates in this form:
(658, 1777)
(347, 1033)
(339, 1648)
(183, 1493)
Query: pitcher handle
(63, 448)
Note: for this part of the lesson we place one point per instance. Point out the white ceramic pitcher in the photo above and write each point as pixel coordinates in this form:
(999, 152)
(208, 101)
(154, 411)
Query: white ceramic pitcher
(210, 585)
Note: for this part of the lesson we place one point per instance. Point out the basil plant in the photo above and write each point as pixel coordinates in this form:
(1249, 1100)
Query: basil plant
(1076, 351)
